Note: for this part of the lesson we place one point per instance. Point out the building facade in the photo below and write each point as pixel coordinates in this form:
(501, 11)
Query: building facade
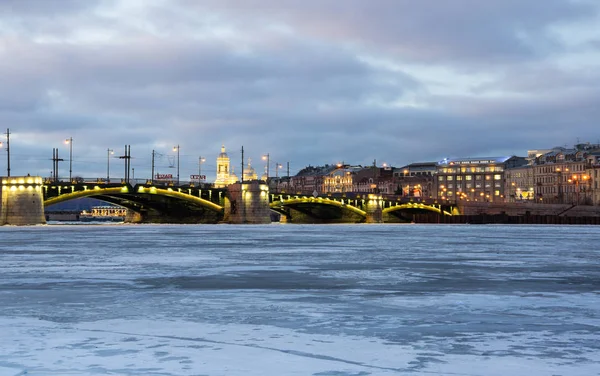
(519, 184)
(473, 179)
(562, 176)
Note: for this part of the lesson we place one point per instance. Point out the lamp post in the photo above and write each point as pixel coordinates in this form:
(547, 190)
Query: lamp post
(177, 148)
(587, 181)
(560, 190)
(266, 158)
(277, 167)
(576, 181)
(109, 151)
(7, 151)
(200, 161)
(69, 141)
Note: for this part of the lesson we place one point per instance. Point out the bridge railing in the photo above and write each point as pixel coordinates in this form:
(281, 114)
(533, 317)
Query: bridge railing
(132, 182)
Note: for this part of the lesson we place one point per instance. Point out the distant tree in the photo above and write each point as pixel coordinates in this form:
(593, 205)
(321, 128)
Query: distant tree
(398, 191)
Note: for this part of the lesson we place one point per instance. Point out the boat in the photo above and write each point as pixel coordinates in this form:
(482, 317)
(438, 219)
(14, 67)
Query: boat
(107, 213)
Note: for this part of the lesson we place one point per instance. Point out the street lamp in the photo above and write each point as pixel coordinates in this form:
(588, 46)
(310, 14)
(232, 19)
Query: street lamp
(69, 141)
(108, 153)
(586, 188)
(176, 148)
(200, 161)
(7, 151)
(266, 158)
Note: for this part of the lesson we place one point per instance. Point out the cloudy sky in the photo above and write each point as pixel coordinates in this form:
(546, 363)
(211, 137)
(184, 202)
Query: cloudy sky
(310, 82)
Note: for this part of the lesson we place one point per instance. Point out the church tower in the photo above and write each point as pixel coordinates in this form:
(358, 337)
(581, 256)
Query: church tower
(223, 169)
(249, 172)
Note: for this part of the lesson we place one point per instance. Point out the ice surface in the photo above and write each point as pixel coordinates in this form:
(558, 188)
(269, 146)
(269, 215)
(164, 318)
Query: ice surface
(299, 300)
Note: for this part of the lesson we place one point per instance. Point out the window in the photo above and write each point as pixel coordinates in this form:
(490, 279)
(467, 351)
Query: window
(497, 177)
(469, 177)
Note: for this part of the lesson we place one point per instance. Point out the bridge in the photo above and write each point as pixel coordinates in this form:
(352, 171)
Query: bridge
(353, 207)
(248, 202)
(147, 202)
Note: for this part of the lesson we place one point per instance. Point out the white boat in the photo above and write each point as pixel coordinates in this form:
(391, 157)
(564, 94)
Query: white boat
(107, 213)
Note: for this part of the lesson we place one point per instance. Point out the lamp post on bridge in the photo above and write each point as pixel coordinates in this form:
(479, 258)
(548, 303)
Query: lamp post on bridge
(266, 158)
(174, 149)
(109, 151)
(69, 141)
(201, 160)
(7, 151)
(277, 167)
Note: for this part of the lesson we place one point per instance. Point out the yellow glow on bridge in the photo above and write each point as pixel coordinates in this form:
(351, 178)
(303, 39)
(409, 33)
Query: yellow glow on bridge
(185, 196)
(416, 205)
(317, 200)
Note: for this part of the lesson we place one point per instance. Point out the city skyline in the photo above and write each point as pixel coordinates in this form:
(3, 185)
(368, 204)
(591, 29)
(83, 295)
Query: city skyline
(309, 83)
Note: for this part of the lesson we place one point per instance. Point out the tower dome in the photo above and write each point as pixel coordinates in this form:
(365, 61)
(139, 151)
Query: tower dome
(249, 172)
(223, 154)
(223, 169)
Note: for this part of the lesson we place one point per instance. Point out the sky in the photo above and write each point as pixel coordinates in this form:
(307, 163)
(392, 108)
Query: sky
(309, 82)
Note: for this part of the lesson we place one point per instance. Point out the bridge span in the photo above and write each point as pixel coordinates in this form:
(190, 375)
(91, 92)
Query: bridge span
(248, 202)
(148, 202)
(353, 207)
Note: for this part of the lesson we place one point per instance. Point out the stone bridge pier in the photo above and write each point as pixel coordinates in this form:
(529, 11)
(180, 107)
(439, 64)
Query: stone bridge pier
(248, 203)
(22, 201)
(374, 209)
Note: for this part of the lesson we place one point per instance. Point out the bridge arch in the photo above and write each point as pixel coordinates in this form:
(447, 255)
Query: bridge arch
(96, 191)
(318, 201)
(120, 194)
(416, 205)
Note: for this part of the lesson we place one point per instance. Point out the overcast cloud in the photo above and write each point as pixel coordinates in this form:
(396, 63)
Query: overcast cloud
(309, 82)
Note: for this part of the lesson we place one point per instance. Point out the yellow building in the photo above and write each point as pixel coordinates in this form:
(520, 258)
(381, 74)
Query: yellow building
(225, 175)
(249, 172)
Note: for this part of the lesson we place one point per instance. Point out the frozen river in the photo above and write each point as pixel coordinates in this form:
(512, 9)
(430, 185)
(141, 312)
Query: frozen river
(299, 300)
